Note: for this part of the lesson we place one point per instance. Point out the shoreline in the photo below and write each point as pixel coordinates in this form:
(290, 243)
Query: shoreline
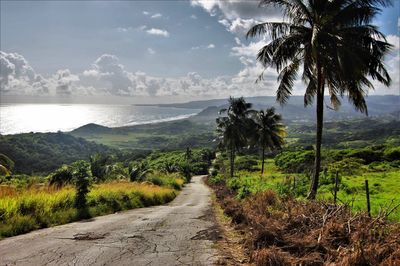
(134, 124)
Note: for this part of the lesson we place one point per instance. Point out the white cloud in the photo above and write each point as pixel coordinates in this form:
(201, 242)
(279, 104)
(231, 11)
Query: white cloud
(158, 32)
(193, 16)
(16, 73)
(250, 50)
(232, 9)
(209, 46)
(394, 40)
(151, 51)
(145, 13)
(157, 15)
(239, 26)
(64, 80)
(122, 29)
(109, 76)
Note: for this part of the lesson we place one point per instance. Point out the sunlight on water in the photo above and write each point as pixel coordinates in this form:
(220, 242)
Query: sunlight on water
(19, 118)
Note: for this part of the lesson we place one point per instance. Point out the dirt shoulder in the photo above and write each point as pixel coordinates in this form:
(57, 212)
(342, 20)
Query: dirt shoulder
(265, 229)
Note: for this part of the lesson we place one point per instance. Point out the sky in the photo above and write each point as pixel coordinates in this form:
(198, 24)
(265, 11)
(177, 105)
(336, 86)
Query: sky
(144, 51)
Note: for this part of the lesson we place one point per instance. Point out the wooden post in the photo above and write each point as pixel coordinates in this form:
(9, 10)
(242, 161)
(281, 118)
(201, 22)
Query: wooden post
(336, 187)
(368, 202)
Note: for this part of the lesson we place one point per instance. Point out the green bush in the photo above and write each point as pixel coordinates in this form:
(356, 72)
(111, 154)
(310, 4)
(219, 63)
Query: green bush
(368, 155)
(347, 166)
(166, 180)
(295, 161)
(246, 163)
(392, 154)
(61, 177)
(82, 179)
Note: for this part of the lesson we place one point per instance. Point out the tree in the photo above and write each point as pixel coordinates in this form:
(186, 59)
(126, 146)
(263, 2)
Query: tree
(337, 47)
(268, 132)
(188, 155)
(233, 129)
(82, 178)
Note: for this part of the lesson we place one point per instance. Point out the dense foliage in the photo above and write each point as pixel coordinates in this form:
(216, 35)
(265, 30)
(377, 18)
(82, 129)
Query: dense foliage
(45, 152)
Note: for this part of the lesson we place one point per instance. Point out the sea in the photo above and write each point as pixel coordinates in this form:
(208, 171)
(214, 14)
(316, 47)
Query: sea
(23, 118)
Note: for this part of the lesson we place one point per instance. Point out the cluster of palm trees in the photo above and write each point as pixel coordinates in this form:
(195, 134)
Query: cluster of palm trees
(334, 44)
(241, 127)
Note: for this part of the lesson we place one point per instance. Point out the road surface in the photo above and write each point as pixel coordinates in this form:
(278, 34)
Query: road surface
(179, 233)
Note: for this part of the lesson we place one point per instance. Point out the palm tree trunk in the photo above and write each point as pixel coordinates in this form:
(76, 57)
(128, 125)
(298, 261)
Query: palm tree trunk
(320, 119)
(262, 159)
(232, 160)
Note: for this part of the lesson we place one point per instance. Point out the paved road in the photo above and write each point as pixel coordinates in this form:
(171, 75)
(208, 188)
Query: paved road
(179, 233)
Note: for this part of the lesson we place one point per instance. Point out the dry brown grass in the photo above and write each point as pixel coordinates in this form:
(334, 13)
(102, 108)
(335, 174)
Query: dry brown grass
(284, 231)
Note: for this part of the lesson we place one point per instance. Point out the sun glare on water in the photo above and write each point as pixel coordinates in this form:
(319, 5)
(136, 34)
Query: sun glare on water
(44, 117)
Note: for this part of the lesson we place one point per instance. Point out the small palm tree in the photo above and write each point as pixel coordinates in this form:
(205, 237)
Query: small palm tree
(337, 48)
(233, 129)
(138, 171)
(100, 165)
(269, 132)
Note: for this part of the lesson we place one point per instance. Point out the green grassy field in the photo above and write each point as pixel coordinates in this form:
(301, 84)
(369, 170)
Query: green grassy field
(383, 185)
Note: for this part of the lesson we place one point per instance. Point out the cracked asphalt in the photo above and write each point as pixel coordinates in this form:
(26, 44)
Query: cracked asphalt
(180, 233)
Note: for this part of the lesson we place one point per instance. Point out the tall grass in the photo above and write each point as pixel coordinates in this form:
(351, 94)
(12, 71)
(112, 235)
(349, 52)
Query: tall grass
(25, 210)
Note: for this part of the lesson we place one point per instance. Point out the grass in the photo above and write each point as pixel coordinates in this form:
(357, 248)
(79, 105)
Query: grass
(383, 186)
(37, 207)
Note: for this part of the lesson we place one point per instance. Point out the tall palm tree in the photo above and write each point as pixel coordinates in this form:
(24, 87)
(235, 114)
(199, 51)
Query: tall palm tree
(232, 130)
(337, 48)
(269, 132)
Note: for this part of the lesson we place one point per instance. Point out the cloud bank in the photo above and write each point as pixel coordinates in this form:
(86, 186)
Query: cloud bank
(107, 76)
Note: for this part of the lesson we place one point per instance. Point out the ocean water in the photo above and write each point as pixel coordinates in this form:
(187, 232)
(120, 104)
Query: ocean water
(22, 118)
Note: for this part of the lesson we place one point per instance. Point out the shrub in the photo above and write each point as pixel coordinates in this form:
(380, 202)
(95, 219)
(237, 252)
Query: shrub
(138, 171)
(392, 154)
(173, 180)
(246, 163)
(295, 161)
(82, 179)
(347, 166)
(185, 170)
(98, 166)
(61, 176)
(368, 155)
(199, 168)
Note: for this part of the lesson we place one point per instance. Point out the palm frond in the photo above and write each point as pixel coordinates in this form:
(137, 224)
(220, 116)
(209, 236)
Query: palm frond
(286, 80)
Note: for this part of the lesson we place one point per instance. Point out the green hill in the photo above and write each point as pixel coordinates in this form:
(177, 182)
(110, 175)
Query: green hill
(45, 152)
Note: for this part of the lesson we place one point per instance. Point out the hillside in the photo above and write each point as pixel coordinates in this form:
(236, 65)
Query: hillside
(160, 136)
(294, 110)
(45, 152)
